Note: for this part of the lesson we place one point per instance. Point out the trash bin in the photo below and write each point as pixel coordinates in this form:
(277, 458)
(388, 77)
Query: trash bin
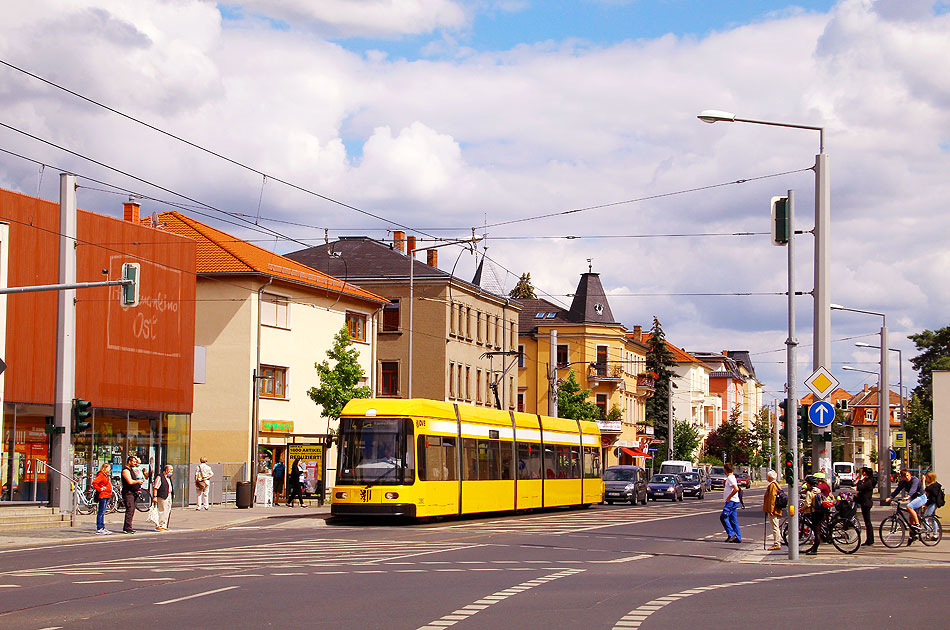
(243, 495)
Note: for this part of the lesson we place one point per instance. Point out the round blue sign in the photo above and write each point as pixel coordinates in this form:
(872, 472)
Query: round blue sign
(821, 413)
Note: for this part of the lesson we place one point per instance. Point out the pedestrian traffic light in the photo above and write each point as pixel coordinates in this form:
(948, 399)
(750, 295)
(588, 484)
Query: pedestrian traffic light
(780, 222)
(81, 413)
(789, 469)
(130, 292)
(52, 429)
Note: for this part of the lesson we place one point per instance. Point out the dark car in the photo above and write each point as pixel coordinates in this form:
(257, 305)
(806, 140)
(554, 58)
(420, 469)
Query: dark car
(744, 480)
(665, 486)
(693, 484)
(717, 478)
(625, 483)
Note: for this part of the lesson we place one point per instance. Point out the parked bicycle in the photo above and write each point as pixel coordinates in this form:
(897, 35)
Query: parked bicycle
(894, 529)
(85, 501)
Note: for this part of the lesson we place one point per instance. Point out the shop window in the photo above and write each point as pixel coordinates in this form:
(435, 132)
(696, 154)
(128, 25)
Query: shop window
(275, 310)
(391, 316)
(273, 382)
(356, 324)
(389, 379)
(521, 402)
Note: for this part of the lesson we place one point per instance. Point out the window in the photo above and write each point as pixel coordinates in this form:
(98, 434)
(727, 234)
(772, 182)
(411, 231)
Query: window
(514, 335)
(489, 328)
(563, 358)
(391, 316)
(460, 329)
(356, 324)
(601, 360)
(521, 356)
(529, 460)
(452, 319)
(511, 389)
(478, 386)
(489, 398)
(468, 383)
(478, 328)
(459, 391)
(485, 459)
(273, 382)
(591, 462)
(437, 458)
(389, 378)
(468, 323)
(275, 310)
(499, 332)
(602, 404)
(521, 401)
(451, 380)
(868, 414)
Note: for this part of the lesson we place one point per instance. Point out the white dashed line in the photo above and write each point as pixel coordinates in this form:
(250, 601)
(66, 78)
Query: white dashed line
(181, 599)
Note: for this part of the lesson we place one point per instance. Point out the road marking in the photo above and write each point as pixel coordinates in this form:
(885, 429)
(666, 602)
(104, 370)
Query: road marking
(481, 604)
(637, 616)
(161, 579)
(642, 556)
(97, 581)
(51, 628)
(181, 599)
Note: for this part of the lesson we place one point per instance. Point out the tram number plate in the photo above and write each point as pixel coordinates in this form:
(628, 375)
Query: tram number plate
(365, 495)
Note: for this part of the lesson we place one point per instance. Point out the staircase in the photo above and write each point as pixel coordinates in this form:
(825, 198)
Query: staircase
(28, 516)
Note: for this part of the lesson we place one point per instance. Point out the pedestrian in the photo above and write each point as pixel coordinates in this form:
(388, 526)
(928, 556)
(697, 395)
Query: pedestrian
(864, 498)
(730, 495)
(294, 483)
(162, 497)
(812, 507)
(932, 489)
(203, 475)
(131, 484)
(103, 486)
(768, 507)
(279, 473)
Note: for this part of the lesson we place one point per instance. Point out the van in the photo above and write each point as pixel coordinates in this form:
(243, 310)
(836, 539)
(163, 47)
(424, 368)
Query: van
(844, 473)
(676, 466)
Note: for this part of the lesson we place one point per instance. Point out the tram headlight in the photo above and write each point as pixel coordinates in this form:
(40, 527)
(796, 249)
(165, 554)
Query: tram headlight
(392, 495)
(340, 495)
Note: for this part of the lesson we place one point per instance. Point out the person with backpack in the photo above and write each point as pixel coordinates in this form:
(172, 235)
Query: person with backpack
(865, 499)
(934, 492)
(915, 492)
(771, 507)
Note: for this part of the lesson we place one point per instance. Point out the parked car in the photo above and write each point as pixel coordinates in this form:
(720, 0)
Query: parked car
(676, 466)
(664, 486)
(717, 478)
(693, 485)
(625, 483)
(744, 480)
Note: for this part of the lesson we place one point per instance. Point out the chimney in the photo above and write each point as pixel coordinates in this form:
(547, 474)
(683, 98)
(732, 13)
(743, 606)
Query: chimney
(412, 246)
(130, 211)
(399, 240)
(638, 333)
(432, 257)
(865, 387)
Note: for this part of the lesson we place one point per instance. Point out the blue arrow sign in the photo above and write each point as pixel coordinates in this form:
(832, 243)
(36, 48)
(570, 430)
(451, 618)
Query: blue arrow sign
(821, 413)
(893, 454)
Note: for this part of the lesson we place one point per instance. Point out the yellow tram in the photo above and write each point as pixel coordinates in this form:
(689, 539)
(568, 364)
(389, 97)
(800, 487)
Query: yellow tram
(418, 458)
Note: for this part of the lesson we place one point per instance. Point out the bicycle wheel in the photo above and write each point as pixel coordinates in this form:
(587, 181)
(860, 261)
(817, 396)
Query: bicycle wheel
(932, 532)
(114, 502)
(892, 532)
(785, 532)
(845, 537)
(144, 501)
(84, 507)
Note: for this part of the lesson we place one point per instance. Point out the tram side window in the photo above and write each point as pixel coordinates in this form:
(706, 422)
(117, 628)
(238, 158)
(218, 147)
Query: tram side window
(550, 462)
(483, 460)
(529, 460)
(436, 458)
(469, 459)
(591, 462)
(505, 461)
(568, 462)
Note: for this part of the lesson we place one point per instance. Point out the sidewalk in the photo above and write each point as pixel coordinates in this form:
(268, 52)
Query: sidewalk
(182, 520)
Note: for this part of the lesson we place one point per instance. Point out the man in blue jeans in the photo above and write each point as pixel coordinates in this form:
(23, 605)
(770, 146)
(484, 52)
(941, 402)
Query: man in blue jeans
(729, 517)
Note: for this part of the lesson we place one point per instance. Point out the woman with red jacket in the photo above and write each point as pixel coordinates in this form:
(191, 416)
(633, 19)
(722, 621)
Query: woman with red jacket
(103, 485)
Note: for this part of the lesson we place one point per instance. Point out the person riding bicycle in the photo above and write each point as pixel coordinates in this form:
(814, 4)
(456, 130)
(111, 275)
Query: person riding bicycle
(915, 493)
(932, 490)
(811, 506)
(825, 489)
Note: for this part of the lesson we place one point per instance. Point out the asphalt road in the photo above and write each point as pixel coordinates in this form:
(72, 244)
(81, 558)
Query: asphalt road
(654, 566)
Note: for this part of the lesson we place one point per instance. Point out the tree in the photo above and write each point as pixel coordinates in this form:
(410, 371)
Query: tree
(686, 440)
(523, 290)
(660, 362)
(730, 438)
(934, 347)
(572, 401)
(338, 384)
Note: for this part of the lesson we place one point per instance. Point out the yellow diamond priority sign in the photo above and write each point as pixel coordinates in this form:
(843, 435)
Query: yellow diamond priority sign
(822, 383)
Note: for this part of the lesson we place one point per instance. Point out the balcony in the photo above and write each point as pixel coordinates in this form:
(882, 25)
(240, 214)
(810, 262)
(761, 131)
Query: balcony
(602, 373)
(609, 427)
(646, 385)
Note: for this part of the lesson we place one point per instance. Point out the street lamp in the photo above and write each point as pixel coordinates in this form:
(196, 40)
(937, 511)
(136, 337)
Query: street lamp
(883, 415)
(900, 372)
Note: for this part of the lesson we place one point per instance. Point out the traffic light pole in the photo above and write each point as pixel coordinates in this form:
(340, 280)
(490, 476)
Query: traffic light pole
(791, 411)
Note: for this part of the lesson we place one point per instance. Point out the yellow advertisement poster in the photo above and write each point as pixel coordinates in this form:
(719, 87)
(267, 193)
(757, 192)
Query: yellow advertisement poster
(310, 458)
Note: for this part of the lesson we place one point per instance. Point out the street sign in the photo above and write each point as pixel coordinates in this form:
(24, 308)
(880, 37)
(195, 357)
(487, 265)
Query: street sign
(900, 439)
(821, 413)
(893, 454)
(821, 383)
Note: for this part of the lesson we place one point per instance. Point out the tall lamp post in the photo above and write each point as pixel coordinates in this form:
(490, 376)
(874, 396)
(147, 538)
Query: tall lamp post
(821, 354)
(883, 414)
(900, 372)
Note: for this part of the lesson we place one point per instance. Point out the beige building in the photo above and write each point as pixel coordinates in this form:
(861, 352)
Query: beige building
(463, 338)
(261, 314)
(940, 430)
(752, 387)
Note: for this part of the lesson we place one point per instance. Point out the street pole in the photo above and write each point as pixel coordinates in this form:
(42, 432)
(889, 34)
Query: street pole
(65, 387)
(669, 421)
(775, 439)
(552, 375)
(791, 408)
(412, 267)
(884, 421)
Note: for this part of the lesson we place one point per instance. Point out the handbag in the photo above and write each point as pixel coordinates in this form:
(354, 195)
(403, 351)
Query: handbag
(153, 515)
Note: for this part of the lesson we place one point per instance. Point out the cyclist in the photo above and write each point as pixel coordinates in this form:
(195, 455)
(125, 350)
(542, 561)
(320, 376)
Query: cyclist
(811, 506)
(932, 489)
(915, 492)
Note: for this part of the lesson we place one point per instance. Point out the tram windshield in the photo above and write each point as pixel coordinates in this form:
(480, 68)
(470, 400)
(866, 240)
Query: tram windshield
(376, 451)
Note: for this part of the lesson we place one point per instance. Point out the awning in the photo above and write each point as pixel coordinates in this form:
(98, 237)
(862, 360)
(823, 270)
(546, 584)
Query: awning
(632, 452)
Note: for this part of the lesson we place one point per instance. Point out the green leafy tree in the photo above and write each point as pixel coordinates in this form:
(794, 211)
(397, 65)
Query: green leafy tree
(934, 347)
(917, 425)
(523, 290)
(730, 438)
(339, 384)
(660, 362)
(572, 401)
(686, 440)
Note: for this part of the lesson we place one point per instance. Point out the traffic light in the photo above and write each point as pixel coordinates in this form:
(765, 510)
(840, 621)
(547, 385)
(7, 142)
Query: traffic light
(52, 429)
(130, 292)
(780, 222)
(82, 411)
(804, 427)
(783, 418)
(789, 469)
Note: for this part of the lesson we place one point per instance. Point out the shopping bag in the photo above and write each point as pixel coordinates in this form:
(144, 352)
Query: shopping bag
(153, 515)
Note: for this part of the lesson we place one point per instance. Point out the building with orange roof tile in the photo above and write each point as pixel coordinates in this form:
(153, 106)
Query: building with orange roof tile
(861, 428)
(261, 316)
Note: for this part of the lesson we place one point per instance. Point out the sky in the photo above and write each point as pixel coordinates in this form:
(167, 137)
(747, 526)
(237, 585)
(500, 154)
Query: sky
(448, 116)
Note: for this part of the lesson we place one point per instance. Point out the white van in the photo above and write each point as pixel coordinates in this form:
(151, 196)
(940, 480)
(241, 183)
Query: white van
(844, 473)
(676, 466)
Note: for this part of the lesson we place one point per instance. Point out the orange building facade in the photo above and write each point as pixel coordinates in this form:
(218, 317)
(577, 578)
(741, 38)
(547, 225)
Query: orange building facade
(135, 365)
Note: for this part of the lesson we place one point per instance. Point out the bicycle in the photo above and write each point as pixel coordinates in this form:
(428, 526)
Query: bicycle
(143, 501)
(85, 504)
(893, 529)
(839, 529)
